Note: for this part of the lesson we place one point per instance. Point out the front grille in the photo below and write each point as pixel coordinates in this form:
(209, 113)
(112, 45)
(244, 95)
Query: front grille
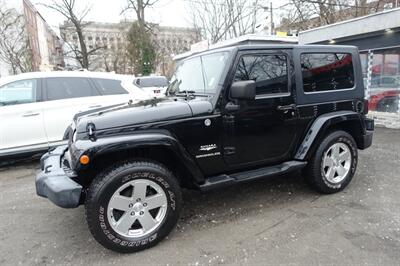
(66, 164)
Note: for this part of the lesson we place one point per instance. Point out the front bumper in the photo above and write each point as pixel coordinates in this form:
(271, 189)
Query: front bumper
(54, 183)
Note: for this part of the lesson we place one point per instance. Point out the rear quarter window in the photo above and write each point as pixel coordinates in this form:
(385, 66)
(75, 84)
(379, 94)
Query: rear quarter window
(109, 86)
(322, 72)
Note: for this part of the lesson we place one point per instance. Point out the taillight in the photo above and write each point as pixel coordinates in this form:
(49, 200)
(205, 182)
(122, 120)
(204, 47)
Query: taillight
(366, 106)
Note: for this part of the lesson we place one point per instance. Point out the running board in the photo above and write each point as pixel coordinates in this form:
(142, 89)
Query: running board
(227, 180)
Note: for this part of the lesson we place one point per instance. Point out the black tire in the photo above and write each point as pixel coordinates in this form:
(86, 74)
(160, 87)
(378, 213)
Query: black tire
(314, 172)
(105, 185)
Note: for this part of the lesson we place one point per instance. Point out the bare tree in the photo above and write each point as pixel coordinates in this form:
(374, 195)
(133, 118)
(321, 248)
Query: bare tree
(304, 14)
(141, 46)
(14, 43)
(139, 7)
(68, 9)
(116, 58)
(223, 19)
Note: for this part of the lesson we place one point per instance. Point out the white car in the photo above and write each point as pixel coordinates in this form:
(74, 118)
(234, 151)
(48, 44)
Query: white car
(156, 86)
(36, 108)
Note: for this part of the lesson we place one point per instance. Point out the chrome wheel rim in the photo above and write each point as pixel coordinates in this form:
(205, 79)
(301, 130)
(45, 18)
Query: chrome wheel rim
(336, 163)
(137, 208)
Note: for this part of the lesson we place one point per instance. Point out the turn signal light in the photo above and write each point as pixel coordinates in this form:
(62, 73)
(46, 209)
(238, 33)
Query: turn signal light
(84, 159)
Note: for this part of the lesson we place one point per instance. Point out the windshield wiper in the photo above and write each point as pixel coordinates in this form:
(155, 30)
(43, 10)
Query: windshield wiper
(188, 93)
(9, 103)
(171, 88)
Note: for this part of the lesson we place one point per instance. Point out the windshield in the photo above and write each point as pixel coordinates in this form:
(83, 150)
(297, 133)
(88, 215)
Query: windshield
(199, 75)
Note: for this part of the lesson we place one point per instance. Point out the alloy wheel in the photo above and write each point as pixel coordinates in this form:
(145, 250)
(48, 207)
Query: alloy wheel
(137, 208)
(336, 162)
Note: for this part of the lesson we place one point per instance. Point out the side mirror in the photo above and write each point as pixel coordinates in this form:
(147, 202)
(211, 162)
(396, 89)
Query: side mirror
(243, 90)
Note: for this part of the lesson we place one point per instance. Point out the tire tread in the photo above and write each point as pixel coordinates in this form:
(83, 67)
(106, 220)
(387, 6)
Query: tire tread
(102, 178)
(312, 171)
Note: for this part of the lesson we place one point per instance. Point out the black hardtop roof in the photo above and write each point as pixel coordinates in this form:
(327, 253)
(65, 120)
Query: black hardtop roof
(293, 46)
(250, 47)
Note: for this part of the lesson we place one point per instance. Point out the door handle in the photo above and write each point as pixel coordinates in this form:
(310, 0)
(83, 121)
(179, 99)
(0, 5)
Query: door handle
(286, 107)
(231, 107)
(30, 114)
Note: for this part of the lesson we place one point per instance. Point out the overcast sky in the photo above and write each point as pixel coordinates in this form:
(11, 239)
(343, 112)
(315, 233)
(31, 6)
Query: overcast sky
(165, 12)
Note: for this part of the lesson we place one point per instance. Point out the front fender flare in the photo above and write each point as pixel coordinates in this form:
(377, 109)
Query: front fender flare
(113, 144)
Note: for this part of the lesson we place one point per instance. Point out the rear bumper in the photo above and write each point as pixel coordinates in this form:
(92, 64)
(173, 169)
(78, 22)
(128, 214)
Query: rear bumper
(54, 183)
(369, 133)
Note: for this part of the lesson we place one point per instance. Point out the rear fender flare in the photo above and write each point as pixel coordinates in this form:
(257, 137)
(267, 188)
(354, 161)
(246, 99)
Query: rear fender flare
(320, 125)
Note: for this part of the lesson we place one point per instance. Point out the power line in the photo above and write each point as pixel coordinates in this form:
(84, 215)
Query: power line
(221, 4)
(334, 4)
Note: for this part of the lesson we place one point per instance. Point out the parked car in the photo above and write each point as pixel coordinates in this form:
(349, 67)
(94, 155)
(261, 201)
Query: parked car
(36, 108)
(385, 82)
(155, 85)
(232, 115)
(385, 101)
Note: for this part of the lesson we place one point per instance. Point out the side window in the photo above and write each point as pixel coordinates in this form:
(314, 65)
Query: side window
(268, 71)
(109, 86)
(18, 92)
(68, 87)
(326, 71)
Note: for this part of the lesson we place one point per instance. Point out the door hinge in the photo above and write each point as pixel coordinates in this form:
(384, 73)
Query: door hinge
(229, 150)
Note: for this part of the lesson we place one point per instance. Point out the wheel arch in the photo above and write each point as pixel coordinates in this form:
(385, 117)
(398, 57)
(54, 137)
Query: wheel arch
(348, 121)
(159, 148)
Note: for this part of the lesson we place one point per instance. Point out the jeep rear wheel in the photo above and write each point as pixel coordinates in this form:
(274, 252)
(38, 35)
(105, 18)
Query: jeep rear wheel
(333, 164)
(133, 206)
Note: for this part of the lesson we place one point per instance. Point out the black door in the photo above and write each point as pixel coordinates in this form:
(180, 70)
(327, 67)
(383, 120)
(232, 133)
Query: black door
(262, 131)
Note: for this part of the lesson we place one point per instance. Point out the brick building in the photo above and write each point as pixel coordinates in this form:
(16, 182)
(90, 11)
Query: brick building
(45, 47)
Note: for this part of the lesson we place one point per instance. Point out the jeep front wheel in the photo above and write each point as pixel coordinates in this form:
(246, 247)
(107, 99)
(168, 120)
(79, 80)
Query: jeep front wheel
(333, 164)
(133, 206)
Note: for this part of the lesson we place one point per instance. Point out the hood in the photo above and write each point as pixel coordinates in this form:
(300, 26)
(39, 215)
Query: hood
(143, 112)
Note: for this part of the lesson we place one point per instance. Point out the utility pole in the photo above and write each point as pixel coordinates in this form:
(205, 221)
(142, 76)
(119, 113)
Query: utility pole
(272, 18)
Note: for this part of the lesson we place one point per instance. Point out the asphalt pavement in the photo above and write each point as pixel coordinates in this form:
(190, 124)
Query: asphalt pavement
(269, 222)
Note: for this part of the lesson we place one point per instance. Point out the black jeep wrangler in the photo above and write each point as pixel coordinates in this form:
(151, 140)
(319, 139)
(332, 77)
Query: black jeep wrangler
(230, 115)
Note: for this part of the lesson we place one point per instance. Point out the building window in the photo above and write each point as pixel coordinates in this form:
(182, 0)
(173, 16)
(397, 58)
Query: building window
(384, 89)
(326, 71)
